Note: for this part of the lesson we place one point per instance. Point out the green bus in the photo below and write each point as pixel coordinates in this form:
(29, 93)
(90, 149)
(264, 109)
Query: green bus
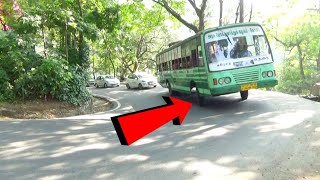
(217, 61)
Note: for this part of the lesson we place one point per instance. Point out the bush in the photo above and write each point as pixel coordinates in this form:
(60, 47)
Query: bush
(53, 79)
(75, 91)
(27, 75)
(290, 81)
(6, 93)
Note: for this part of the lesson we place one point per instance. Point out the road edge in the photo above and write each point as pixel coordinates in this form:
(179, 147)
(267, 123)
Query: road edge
(77, 117)
(113, 101)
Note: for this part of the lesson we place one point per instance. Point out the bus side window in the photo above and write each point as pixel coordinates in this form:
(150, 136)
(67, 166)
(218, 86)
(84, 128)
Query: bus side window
(200, 58)
(176, 63)
(172, 65)
(188, 62)
(194, 58)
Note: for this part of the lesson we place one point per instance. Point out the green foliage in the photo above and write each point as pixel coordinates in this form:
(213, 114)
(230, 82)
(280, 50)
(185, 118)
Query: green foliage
(5, 88)
(299, 71)
(74, 91)
(290, 81)
(16, 56)
(51, 46)
(24, 74)
(53, 79)
(132, 46)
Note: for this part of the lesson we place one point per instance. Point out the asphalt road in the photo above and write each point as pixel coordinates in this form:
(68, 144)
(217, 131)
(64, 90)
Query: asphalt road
(269, 136)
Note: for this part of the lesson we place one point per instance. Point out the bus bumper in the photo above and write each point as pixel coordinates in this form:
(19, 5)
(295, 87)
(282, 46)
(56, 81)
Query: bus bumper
(236, 88)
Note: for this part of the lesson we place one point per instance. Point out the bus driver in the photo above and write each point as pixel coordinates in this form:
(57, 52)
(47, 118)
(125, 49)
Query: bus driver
(240, 49)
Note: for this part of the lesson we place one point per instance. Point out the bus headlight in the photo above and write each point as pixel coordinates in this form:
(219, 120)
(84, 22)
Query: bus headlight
(227, 80)
(264, 74)
(221, 81)
(270, 73)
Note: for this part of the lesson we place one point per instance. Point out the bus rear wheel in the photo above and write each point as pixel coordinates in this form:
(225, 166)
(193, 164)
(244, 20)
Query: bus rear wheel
(200, 99)
(244, 95)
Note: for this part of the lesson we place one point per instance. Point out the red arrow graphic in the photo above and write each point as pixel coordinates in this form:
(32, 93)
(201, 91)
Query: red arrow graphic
(133, 126)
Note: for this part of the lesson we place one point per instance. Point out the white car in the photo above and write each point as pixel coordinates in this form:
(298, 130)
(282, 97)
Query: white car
(141, 80)
(106, 81)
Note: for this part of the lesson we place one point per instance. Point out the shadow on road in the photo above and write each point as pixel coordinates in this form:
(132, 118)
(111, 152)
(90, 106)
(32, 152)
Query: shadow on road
(227, 138)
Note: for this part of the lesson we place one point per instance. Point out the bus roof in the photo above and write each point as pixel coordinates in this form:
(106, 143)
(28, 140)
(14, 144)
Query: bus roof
(208, 30)
(229, 26)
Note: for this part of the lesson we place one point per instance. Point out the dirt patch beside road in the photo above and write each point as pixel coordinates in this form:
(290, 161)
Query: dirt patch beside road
(40, 109)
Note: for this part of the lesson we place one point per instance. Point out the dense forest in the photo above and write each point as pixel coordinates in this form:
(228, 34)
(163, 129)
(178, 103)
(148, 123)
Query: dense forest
(49, 49)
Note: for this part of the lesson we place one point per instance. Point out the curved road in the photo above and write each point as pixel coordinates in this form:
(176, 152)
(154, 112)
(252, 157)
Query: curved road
(269, 136)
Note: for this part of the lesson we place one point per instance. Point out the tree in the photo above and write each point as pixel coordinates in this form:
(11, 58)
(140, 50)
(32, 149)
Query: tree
(221, 12)
(241, 19)
(132, 46)
(300, 39)
(200, 12)
(46, 53)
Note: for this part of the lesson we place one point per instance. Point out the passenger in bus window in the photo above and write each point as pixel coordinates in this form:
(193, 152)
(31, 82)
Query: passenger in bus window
(176, 65)
(219, 51)
(224, 45)
(240, 49)
(211, 53)
(188, 65)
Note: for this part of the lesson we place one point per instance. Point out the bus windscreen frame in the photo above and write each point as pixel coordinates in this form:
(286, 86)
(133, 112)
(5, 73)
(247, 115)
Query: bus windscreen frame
(236, 47)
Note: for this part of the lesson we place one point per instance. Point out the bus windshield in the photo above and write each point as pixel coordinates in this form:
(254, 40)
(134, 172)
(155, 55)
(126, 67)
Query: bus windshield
(236, 47)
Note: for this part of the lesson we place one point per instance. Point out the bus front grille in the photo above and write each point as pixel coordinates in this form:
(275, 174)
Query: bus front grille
(246, 77)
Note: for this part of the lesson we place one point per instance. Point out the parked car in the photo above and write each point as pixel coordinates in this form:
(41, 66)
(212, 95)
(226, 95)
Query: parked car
(90, 82)
(106, 81)
(141, 80)
(315, 90)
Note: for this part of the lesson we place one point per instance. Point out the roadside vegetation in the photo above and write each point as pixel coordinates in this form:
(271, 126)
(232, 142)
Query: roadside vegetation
(300, 44)
(49, 49)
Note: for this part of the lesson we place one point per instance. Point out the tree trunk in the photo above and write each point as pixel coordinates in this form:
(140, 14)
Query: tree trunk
(318, 60)
(221, 12)
(44, 40)
(66, 41)
(61, 38)
(237, 14)
(165, 4)
(135, 66)
(241, 20)
(4, 26)
(93, 70)
(113, 67)
(199, 12)
(80, 34)
(251, 12)
(66, 33)
(201, 23)
(301, 58)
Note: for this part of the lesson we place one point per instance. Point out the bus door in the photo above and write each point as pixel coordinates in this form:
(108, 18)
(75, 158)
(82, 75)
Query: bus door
(198, 68)
(194, 72)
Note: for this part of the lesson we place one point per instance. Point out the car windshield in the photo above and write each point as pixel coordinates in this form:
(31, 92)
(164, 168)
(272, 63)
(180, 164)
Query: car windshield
(143, 75)
(109, 77)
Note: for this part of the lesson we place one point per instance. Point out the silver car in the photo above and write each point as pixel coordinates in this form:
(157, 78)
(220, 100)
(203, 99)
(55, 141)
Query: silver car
(106, 81)
(141, 80)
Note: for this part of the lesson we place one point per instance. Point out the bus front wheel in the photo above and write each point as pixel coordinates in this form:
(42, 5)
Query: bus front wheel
(170, 89)
(244, 95)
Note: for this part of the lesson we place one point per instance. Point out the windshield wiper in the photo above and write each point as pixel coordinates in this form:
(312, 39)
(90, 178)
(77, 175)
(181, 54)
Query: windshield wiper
(225, 35)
